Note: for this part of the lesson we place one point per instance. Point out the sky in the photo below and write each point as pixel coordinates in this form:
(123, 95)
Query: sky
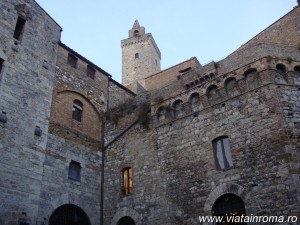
(207, 29)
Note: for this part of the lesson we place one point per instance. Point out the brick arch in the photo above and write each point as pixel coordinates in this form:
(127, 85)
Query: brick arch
(221, 190)
(83, 96)
(61, 114)
(252, 78)
(126, 212)
(231, 86)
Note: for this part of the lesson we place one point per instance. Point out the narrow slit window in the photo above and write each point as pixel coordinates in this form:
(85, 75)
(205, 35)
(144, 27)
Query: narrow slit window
(77, 110)
(126, 181)
(19, 30)
(72, 60)
(136, 56)
(90, 72)
(1, 64)
(74, 170)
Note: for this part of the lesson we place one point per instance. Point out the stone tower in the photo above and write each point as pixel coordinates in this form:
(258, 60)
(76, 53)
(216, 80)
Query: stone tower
(140, 57)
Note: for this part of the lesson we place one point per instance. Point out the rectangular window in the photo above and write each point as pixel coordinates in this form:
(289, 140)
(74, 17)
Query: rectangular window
(1, 64)
(72, 60)
(90, 72)
(74, 170)
(126, 181)
(77, 110)
(222, 153)
(19, 28)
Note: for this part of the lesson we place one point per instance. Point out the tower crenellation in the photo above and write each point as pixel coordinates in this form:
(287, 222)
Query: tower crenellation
(140, 56)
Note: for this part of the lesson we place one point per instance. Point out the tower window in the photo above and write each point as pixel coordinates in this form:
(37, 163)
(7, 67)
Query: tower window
(136, 56)
(72, 60)
(126, 181)
(77, 110)
(222, 153)
(1, 64)
(136, 33)
(90, 72)
(74, 170)
(19, 28)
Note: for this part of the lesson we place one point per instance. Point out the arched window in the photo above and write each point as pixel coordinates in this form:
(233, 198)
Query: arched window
(77, 110)
(161, 114)
(126, 180)
(136, 56)
(194, 101)
(136, 33)
(297, 75)
(222, 153)
(280, 76)
(280, 67)
(212, 94)
(252, 78)
(229, 205)
(178, 108)
(231, 87)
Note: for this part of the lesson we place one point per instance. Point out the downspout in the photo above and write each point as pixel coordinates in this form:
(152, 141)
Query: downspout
(103, 158)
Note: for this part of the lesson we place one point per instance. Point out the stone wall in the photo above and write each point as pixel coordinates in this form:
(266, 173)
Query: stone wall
(175, 178)
(26, 84)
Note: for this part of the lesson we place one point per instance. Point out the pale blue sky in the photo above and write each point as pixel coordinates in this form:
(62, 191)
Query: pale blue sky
(209, 30)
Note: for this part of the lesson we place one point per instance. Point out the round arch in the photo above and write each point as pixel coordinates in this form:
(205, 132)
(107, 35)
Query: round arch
(126, 220)
(69, 214)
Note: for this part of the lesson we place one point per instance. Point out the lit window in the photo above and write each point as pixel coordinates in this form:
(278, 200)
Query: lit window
(222, 153)
(19, 28)
(72, 60)
(77, 110)
(126, 180)
(1, 64)
(136, 56)
(90, 72)
(74, 171)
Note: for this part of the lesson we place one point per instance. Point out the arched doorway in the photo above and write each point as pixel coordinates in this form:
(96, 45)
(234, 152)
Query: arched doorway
(228, 205)
(126, 220)
(69, 215)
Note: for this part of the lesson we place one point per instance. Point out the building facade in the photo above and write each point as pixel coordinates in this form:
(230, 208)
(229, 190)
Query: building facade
(188, 141)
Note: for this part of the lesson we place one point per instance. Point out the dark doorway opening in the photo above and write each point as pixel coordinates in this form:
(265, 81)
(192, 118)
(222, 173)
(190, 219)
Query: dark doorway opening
(229, 206)
(69, 215)
(126, 220)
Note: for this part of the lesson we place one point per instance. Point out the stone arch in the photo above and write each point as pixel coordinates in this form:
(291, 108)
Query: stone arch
(231, 87)
(221, 190)
(252, 78)
(178, 108)
(280, 75)
(126, 212)
(65, 199)
(194, 101)
(69, 213)
(212, 94)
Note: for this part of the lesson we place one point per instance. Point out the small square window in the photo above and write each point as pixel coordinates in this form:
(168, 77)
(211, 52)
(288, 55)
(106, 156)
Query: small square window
(74, 170)
(19, 29)
(90, 72)
(72, 60)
